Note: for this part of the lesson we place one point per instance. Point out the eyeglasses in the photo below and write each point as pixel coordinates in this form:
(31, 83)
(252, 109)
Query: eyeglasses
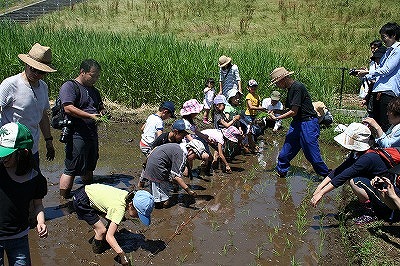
(37, 71)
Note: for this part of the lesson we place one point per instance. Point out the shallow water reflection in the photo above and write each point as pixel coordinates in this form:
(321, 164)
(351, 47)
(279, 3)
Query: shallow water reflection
(245, 218)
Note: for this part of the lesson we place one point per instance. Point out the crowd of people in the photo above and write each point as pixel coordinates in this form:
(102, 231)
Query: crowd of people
(168, 156)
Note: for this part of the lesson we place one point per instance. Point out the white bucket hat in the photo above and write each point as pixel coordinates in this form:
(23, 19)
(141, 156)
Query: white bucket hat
(355, 137)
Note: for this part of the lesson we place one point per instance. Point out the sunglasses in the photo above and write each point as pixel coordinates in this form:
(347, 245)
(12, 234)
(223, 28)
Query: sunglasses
(37, 71)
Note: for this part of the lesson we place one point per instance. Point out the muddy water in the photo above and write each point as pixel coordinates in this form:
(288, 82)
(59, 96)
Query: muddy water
(250, 217)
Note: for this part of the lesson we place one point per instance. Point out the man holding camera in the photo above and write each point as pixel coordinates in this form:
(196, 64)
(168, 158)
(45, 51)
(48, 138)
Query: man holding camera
(82, 109)
(24, 98)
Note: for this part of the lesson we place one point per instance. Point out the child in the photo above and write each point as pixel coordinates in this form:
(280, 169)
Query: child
(220, 119)
(154, 126)
(209, 93)
(178, 133)
(91, 199)
(189, 111)
(219, 136)
(165, 166)
(271, 104)
(252, 108)
(20, 184)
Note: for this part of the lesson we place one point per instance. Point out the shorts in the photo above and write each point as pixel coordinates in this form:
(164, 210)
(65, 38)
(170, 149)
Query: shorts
(82, 207)
(146, 149)
(161, 191)
(81, 156)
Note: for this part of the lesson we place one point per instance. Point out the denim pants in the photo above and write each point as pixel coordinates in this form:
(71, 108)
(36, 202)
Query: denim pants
(302, 135)
(17, 251)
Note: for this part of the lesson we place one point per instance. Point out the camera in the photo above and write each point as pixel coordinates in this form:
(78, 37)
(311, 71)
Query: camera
(66, 130)
(380, 185)
(353, 72)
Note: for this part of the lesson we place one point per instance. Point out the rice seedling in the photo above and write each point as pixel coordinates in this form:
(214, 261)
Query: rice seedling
(182, 259)
(258, 253)
(301, 219)
(294, 262)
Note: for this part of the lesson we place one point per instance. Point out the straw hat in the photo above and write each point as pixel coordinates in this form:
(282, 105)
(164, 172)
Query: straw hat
(39, 57)
(224, 60)
(355, 137)
(278, 74)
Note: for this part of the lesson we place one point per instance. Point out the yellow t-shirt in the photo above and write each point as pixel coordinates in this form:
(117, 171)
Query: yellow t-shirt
(107, 199)
(255, 101)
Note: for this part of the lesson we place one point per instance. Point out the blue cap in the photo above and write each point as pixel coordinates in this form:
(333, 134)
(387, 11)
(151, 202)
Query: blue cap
(180, 125)
(143, 202)
(170, 107)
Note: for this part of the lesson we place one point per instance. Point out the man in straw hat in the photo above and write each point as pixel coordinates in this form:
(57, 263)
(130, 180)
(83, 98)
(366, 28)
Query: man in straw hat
(228, 76)
(304, 131)
(24, 98)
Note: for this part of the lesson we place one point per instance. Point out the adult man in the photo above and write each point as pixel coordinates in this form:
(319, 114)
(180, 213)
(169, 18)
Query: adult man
(165, 166)
(304, 130)
(83, 109)
(24, 98)
(386, 75)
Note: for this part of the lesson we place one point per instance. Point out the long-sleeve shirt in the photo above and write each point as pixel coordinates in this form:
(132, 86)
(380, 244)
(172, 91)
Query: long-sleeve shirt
(388, 73)
(367, 165)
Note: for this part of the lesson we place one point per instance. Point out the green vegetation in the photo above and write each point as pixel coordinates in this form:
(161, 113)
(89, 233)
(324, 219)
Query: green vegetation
(156, 50)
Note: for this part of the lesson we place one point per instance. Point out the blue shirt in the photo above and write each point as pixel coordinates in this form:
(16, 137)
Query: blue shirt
(388, 73)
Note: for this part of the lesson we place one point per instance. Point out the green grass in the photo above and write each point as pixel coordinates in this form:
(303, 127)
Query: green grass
(156, 50)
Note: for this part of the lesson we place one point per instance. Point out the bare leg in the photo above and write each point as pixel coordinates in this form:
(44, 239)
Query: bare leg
(66, 182)
(360, 193)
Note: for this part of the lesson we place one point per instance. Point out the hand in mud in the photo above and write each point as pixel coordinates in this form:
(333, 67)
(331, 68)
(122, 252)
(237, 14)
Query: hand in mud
(315, 199)
(124, 259)
(42, 230)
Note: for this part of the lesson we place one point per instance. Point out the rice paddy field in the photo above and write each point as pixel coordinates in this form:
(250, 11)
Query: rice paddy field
(152, 51)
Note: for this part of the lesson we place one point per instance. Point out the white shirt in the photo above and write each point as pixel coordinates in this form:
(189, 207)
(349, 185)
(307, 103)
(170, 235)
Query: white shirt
(153, 124)
(24, 104)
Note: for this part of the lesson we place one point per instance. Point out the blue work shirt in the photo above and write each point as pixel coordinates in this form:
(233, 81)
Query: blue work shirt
(387, 75)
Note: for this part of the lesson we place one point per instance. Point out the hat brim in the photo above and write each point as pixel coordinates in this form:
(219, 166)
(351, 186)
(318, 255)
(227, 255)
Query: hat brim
(275, 98)
(4, 151)
(274, 81)
(144, 219)
(357, 146)
(35, 64)
(227, 62)
(197, 111)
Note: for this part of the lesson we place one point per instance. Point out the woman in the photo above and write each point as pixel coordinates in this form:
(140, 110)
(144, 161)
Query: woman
(392, 136)
(19, 185)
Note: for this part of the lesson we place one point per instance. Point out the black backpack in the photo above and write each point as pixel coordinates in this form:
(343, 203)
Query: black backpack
(57, 111)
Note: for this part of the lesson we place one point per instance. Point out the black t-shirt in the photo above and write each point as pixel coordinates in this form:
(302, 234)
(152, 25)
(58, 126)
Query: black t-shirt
(299, 96)
(217, 120)
(15, 198)
(160, 140)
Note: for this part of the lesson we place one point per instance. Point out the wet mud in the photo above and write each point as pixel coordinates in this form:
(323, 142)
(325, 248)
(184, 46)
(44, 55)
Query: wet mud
(249, 217)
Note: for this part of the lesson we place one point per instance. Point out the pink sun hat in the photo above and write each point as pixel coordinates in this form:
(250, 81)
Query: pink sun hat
(191, 107)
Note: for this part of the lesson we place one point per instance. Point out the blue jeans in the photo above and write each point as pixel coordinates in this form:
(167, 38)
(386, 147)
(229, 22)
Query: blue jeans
(302, 135)
(17, 251)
